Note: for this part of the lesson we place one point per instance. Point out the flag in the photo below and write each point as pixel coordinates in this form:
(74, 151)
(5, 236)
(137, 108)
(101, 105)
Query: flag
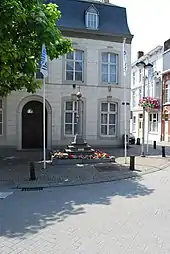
(44, 59)
(124, 58)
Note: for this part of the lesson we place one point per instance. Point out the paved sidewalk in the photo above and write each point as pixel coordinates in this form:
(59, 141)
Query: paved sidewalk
(17, 176)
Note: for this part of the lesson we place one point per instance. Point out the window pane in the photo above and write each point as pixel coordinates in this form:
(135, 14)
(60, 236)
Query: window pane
(69, 75)
(75, 118)
(0, 103)
(75, 105)
(112, 69)
(104, 107)
(103, 129)
(78, 66)
(104, 68)
(104, 77)
(105, 57)
(150, 117)
(70, 55)
(79, 55)
(68, 117)
(154, 126)
(112, 129)
(69, 105)
(0, 116)
(75, 128)
(112, 119)
(112, 107)
(154, 116)
(1, 129)
(68, 128)
(104, 118)
(112, 58)
(78, 76)
(69, 66)
(113, 78)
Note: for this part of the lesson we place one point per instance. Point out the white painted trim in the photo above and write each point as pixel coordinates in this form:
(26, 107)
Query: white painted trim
(164, 72)
(19, 119)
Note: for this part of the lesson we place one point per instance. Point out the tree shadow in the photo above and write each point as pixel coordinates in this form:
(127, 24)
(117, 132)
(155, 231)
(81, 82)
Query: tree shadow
(25, 213)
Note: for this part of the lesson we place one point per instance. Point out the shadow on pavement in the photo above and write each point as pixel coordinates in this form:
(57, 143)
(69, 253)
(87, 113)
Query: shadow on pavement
(25, 213)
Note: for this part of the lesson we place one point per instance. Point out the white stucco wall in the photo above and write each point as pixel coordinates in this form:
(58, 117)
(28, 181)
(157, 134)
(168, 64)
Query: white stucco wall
(92, 91)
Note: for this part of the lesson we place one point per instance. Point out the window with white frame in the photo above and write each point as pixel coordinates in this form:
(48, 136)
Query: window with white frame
(140, 75)
(151, 89)
(134, 123)
(134, 77)
(1, 118)
(140, 93)
(134, 102)
(167, 92)
(154, 66)
(75, 66)
(153, 122)
(108, 123)
(70, 118)
(92, 18)
(109, 68)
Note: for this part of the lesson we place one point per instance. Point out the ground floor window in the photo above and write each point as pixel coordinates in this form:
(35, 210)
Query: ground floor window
(70, 118)
(1, 118)
(108, 122)
(134, 123)
(153, 122)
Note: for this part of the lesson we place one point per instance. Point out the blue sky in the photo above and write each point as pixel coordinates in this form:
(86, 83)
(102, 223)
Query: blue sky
(148, 21)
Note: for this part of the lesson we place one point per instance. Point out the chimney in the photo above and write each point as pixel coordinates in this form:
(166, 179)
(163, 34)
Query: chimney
(167, 45)
(140, 54)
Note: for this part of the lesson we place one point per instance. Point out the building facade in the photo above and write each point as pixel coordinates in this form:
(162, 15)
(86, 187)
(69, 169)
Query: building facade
(166, 93)
(96, 29)
(153, 88)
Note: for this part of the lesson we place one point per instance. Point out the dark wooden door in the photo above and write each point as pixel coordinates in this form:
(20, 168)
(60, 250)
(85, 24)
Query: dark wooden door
(32, 125)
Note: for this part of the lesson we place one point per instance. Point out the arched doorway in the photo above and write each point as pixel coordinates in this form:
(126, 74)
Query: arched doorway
(32, 125)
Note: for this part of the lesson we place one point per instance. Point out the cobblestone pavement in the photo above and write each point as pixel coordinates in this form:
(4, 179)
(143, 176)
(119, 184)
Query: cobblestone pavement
(129, 216)
(14, 171)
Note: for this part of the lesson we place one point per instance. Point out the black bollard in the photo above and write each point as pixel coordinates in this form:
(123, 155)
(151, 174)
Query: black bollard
(154, 144)
(163, 151)
(138, 141)
(32, 171)
(132, 163)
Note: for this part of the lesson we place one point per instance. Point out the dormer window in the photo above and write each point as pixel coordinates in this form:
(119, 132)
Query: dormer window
(92, 18)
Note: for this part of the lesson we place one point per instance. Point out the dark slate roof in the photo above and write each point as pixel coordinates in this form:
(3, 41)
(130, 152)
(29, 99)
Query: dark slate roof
(112, 18)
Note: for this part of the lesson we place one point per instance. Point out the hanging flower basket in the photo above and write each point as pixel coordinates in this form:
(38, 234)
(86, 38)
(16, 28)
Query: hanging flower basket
(149, 103)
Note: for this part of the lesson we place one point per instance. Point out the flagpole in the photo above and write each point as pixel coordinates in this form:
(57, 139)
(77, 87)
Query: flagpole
(44, 127)
(44, 71)
(124, 85)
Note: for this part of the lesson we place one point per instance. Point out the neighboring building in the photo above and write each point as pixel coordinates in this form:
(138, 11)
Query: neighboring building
(166, 92)
(96, 29)
(153, 88)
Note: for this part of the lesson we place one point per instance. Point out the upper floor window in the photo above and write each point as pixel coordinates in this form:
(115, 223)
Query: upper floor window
(1, 118)
(140, 93)
(134, 99)
(167, 92)
(109, 68)
(75, 66)
(154, 65)
(108, 123)
(92, 18)
(134, 78)
(140, 75)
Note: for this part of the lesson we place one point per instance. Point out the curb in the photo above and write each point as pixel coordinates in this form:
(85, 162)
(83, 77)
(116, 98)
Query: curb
(124, 176)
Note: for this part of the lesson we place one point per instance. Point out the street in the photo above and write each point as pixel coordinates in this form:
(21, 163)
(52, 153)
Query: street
(127, 216)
